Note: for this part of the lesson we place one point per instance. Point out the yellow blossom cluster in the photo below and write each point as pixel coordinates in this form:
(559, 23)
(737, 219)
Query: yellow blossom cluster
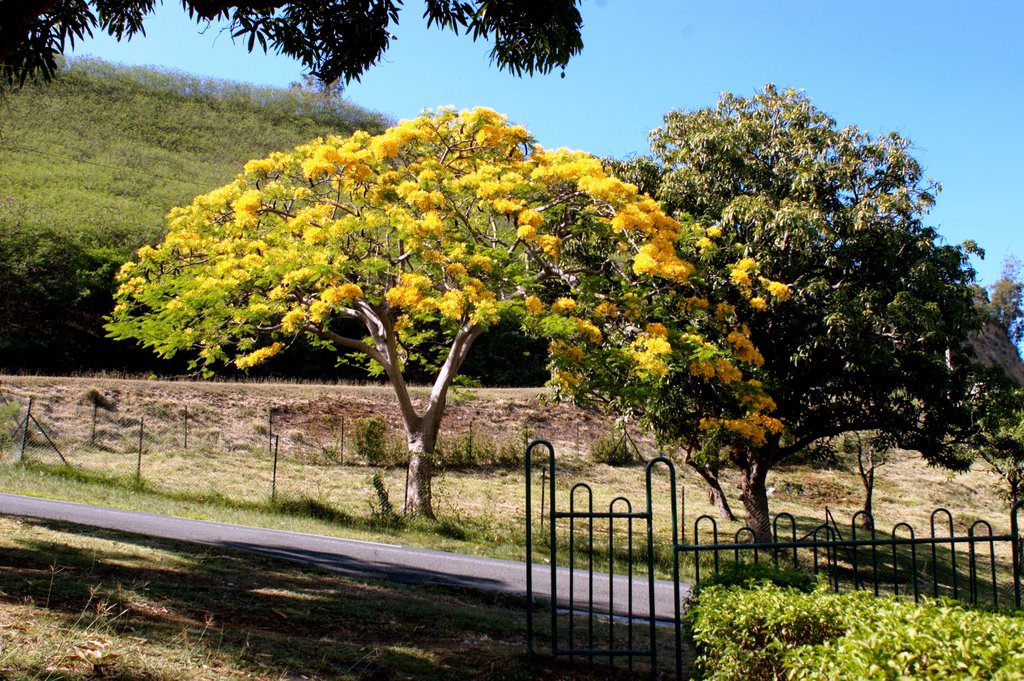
(753, 429)
(587, 330)
(658, 258)
(452, 304)
(741, 271)
(564, 305)
(549, 243)
(650, 351)
(718, 368)
(560, 349)
(258, 356)
(745, 351)
(408, 294)
(778, 289)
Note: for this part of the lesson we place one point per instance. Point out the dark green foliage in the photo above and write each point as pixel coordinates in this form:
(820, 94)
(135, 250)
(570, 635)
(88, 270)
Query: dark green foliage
(1006, 302)
(333, 39)
(505, 357)
(749, 574)
(874, 334)
(382, 510)
(873, 337)
(119, 147)
(999, 439)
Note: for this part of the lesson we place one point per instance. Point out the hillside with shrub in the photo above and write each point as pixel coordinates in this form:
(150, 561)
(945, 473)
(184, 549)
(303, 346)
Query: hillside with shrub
(89, 165)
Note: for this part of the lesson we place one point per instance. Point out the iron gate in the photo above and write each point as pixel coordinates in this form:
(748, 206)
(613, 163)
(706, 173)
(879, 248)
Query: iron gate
(620, 639)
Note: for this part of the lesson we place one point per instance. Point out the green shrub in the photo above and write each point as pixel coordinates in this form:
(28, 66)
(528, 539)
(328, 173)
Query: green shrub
(889, 639)
(765, 631)
(374, 444)
(614, 450)
(743, 634)
(475, 449)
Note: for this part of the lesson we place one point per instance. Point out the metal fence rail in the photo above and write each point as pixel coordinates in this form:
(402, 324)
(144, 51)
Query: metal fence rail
(964, 567)
(972, 566)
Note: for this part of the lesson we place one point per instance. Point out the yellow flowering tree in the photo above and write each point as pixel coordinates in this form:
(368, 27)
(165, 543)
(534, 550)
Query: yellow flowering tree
(667, 341)
(391, 246)
(870, 333)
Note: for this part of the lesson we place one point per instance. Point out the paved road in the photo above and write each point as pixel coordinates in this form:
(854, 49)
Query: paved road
(359, 558)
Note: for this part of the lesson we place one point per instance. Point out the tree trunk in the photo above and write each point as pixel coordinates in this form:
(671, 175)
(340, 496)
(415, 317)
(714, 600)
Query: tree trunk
(754, 496)
(417, 488)
(867, 520)
(422, 438)
(867, 478)
(715, 494)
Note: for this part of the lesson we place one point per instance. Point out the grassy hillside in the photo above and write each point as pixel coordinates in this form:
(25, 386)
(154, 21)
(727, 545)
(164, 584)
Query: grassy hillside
(89, 165)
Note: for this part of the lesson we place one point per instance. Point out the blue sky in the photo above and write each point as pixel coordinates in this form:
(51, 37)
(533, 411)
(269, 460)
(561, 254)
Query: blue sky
(949, 75)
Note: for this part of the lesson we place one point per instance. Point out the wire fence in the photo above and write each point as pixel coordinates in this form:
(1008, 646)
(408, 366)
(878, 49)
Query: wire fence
(244, 448)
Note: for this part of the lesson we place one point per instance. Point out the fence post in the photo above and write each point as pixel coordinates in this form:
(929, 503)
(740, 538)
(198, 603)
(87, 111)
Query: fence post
(543, 487)
(92, 433)
(273, 479)
(138, 461)
(270, 429)
(341, 444)
(24, 432)
(185, 446)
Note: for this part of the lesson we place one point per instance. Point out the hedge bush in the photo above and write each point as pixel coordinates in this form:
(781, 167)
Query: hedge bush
(889, 639)
(745, 633)
(764, 631)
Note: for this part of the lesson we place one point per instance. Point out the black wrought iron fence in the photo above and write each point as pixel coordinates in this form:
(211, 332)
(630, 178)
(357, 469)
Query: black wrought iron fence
(976, 565)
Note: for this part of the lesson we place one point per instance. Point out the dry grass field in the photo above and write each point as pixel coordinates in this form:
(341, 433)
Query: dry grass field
(324, 485)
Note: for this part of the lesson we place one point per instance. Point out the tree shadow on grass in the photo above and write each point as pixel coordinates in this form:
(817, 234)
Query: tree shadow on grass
(256, 614)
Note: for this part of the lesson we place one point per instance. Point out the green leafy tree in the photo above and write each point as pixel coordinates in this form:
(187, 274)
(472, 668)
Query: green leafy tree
(1000, 440)
(400, 248)
(334, 39)
(1006, 300)
(869, 452)
(867, 327)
